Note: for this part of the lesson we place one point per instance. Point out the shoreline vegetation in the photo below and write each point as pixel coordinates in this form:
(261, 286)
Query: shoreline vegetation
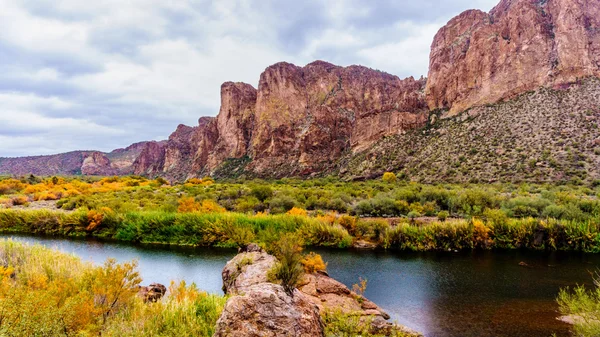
(388, 213)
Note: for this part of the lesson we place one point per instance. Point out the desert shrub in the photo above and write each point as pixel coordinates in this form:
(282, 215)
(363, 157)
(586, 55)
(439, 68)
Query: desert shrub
(319, 233)
(281, 203)
(349, 223)
(288, 270)
(261, 192)
(295, 211)
(389, 177)
(413, 215)
(187, 205)
(567, 212)
(523, 207)
(481, 238)
(495, 217)
(372, 229)
(9, 186)
(249, 204)
(313, 263)
(19, 200)
(443, 215)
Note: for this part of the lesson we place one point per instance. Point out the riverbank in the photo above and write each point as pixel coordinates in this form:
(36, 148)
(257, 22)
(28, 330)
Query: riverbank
(228, 229)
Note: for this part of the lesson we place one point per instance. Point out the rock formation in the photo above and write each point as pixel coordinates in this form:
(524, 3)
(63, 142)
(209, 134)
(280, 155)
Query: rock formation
(260, 306)
(298, 122)
(307, 117)
(480, 58)
(97, 164)
(153, 292)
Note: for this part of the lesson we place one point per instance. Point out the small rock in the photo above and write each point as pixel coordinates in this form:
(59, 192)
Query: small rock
(153, 292)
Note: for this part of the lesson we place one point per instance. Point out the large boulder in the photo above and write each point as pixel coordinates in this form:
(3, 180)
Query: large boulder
(266, 310)
(259, 308)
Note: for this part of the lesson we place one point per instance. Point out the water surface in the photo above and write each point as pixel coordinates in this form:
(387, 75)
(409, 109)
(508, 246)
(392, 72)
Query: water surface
(439, 294)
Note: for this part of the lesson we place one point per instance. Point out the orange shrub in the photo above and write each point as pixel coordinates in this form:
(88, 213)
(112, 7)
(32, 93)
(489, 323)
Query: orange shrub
(209, 206)
(10, 186)
(94, 220)
(297, 211)
(20, 200)
(328, 218)
(194, 181)
(313, 263)
(45, 196)
(480, 234)
(188, 205)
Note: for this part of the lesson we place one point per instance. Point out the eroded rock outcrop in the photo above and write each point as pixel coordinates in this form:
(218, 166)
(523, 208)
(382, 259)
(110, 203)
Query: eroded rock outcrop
(262, 307)
(306, 117)
(259, 308)
(480, 58)
(235, 123)
(97, 163)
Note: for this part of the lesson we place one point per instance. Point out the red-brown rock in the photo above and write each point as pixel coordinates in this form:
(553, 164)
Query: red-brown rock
(480, 58)
(306, 117)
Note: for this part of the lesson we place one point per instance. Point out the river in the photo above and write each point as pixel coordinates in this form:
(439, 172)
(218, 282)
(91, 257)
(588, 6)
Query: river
(441, 294)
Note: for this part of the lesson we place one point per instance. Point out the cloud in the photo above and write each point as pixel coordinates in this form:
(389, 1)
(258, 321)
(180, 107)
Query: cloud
(104, 74)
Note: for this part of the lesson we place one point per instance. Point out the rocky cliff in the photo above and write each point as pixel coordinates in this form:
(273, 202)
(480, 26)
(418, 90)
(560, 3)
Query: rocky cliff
(298, 122)
(480, 58)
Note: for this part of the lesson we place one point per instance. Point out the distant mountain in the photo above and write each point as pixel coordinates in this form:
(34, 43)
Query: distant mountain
(117, 162)
(511, 95)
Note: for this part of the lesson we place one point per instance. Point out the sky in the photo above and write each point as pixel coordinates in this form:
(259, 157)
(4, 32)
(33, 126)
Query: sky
(103, 74)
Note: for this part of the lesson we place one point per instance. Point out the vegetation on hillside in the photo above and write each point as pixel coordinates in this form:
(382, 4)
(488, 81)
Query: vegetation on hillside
(543, 136)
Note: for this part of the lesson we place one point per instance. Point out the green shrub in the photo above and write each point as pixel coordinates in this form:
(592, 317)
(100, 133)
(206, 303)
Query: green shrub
(288, 271)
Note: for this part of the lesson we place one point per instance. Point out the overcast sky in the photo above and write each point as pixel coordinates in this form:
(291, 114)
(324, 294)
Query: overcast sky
(82, 75)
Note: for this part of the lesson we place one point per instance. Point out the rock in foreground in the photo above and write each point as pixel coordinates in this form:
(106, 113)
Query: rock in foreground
(260, 308)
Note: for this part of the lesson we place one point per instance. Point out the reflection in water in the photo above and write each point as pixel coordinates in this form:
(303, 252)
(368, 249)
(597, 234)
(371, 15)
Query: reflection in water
(440, 294)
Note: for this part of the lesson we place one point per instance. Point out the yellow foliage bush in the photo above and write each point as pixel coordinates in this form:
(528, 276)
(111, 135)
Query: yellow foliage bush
(329, 218)
(297, 212)
(188, 205)
(43, 196)
(313, 263)
(11, 186)
(209, 206)
(94, 220)
(480, 233)
(389, 177)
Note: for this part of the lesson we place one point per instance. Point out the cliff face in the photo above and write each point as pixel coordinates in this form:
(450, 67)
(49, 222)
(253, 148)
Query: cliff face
(480, 58)
(298, 122)
(234, 124)
(307, 117)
